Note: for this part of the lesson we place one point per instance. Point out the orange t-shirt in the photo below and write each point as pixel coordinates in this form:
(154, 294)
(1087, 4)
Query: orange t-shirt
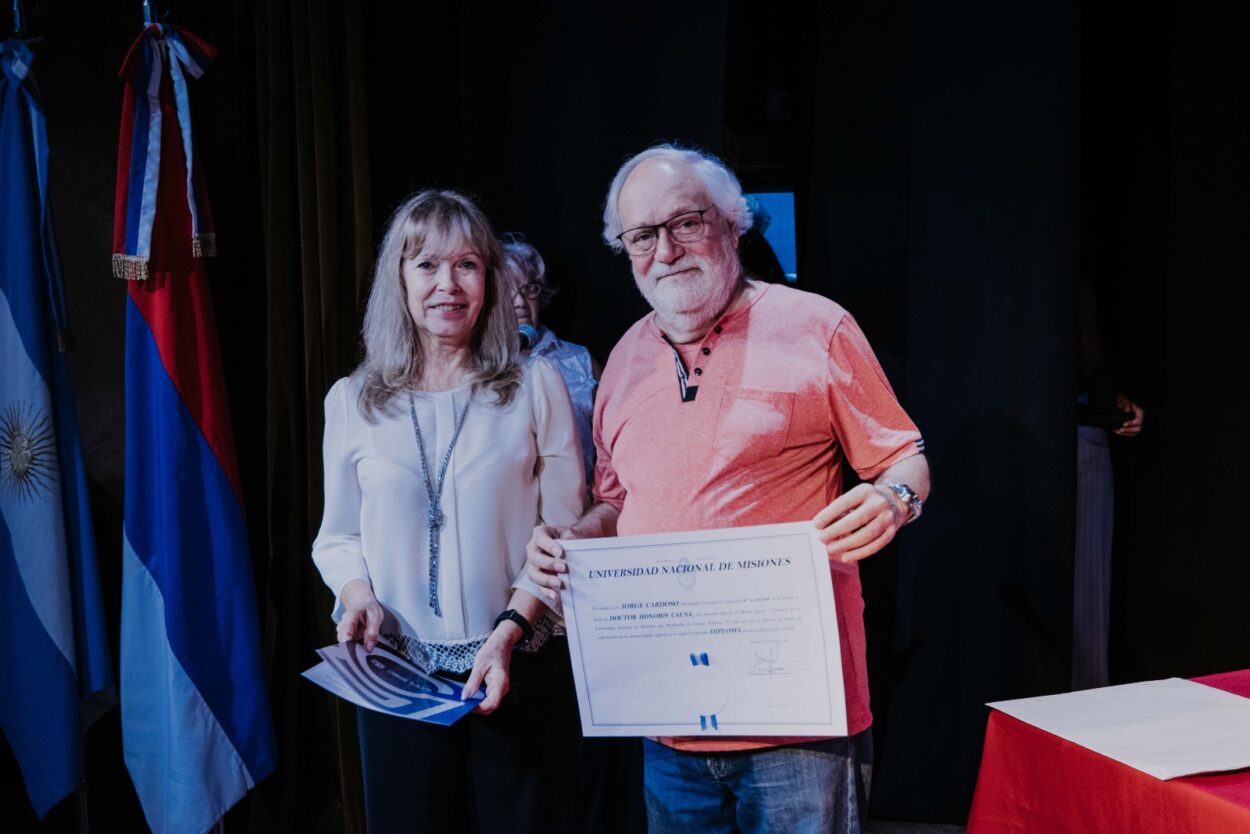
(788, 388)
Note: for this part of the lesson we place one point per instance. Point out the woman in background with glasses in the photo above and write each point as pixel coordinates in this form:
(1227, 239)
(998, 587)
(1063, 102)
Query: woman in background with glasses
(531, 291)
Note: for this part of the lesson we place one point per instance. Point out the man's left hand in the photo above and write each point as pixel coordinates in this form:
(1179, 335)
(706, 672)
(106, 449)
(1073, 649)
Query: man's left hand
(860, 522)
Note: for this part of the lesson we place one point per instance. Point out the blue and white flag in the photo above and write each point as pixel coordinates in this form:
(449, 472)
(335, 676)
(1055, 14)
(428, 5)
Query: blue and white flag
(53, 643)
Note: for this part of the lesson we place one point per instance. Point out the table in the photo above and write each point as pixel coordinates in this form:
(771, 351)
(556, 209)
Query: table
(1032, 781)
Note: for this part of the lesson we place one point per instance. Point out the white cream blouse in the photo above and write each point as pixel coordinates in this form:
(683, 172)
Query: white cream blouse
(512, 467)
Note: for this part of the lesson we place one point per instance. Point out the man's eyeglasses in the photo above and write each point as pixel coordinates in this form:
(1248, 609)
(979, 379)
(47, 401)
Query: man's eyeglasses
(530, 290)
(687, 227)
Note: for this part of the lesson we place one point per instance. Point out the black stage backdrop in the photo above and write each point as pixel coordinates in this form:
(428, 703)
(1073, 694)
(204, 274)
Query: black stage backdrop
(956, 170)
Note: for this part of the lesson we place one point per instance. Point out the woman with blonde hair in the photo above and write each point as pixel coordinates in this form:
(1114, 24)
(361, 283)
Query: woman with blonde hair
(442, 452)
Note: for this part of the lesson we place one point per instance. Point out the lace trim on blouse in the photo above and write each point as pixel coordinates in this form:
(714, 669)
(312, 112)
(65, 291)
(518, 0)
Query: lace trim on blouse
(457, 656)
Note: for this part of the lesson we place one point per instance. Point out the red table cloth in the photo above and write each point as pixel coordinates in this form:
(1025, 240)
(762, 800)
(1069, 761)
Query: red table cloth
(1032, 781)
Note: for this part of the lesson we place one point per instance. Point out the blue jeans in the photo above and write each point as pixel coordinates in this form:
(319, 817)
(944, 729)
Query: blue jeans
(815, 786)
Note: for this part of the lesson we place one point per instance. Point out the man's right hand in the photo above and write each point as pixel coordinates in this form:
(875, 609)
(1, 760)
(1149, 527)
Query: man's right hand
(362, 615)
(544, 559)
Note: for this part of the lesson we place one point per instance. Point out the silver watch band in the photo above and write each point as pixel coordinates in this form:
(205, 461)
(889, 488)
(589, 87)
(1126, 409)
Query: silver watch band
(909, 499)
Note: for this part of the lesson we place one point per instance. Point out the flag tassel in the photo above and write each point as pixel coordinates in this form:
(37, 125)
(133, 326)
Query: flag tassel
(130, 267)
(204, 245)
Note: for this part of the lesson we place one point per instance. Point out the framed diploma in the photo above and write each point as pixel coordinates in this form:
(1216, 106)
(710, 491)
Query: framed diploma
(718, 632)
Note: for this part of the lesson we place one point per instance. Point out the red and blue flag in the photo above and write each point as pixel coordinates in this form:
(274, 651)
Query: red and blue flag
(196, 729)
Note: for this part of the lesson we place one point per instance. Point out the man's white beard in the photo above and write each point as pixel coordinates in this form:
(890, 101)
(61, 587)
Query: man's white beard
(693, 304)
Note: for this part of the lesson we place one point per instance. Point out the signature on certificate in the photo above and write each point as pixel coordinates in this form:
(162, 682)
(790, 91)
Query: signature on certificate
(776, 660)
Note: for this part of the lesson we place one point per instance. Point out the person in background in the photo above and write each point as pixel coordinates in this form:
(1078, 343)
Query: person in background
(1101, 407)
(442, 450)
(609, 770)
(531, 292)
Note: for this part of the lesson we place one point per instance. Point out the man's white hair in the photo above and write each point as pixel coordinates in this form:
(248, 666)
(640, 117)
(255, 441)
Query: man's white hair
(722, 188)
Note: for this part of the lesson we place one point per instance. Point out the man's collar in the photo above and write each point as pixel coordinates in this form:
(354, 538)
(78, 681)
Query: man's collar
(743, 300)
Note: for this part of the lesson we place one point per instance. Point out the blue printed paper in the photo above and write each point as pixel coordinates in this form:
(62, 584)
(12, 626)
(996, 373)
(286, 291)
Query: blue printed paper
(385, 681)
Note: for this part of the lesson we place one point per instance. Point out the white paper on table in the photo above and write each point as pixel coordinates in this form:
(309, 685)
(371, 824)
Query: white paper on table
(717, 632)
(1168, 728)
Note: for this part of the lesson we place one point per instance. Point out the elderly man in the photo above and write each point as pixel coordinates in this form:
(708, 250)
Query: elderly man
(735, 403)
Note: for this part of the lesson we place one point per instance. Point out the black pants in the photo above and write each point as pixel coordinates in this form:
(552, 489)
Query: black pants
(523, 768)
(512, 771)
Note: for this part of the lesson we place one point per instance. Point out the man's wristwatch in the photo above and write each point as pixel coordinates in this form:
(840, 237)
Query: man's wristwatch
(527, 630)
(908, 497)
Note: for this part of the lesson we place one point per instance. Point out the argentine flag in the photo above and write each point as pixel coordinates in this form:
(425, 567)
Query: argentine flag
(53, 643)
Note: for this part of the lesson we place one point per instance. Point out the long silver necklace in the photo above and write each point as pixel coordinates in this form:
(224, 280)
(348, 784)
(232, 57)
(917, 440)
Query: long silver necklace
(434, 514)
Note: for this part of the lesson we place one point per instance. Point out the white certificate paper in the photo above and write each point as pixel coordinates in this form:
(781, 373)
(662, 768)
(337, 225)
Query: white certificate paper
(1166, 728)
(719, 632)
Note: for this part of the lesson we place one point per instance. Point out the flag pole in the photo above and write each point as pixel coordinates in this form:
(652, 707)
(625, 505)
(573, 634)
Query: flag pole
(84, 821)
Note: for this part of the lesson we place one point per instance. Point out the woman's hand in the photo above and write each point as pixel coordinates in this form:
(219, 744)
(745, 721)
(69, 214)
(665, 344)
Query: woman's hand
(362, 617)
(491, 667)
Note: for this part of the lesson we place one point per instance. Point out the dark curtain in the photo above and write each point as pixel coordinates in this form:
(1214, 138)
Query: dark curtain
(1171, 120)
(944, 215)
(317, 257)
(533, 112)
(932, 152)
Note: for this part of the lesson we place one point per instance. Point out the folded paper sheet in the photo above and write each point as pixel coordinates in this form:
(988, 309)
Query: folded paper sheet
(1169, 728)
